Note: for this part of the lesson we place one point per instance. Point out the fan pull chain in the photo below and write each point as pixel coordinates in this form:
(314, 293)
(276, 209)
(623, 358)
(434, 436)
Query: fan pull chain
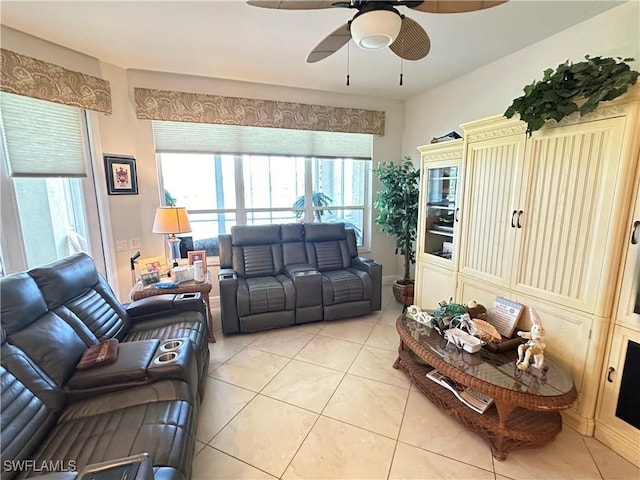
(401, 69)
(348, 63)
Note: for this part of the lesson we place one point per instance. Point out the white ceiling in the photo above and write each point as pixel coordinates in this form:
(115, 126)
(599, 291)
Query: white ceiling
(232, 40)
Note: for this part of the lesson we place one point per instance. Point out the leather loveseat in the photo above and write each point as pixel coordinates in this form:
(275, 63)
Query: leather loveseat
(279, 275)
(58, 418)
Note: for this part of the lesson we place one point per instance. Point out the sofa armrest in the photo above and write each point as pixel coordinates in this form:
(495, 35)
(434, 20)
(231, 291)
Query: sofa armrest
(135, 467)
(366, 264)
(228, 282)
(167, 304)
(374, 269)
(138, 465)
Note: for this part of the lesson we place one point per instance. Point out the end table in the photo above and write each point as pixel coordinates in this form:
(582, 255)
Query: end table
(140, 291)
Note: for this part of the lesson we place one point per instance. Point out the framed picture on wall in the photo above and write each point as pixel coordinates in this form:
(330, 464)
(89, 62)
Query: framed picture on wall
(121, 175)
(198, 255)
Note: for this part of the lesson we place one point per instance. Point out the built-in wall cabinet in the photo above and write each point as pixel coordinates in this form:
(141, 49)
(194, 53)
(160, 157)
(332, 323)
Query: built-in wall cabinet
(439, 222)
(618, 415)
(542, 219)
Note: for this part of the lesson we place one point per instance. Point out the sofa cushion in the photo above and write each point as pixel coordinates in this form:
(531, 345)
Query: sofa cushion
(100, 312)
(265, 294)
(323, 232)
(341, 286)
(158, 419)
(244, 235)
(65, 279)
(25, 421)
(53, 345)
(257, 260)
(21, 302)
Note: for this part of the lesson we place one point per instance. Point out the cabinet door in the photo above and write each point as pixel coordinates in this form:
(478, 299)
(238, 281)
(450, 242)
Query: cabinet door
(433, 285)
(492, 183)
(440, 187)
(628, 313)
(611, 427)
(567, 213)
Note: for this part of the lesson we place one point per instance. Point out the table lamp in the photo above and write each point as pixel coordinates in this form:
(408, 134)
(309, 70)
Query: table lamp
(171, 221)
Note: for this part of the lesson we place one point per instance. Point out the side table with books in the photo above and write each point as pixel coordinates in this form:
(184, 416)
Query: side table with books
(519, 409)
(140, 291)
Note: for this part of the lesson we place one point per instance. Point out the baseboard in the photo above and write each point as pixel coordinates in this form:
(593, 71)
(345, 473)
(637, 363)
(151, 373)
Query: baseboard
(622, 445)
(584, 426)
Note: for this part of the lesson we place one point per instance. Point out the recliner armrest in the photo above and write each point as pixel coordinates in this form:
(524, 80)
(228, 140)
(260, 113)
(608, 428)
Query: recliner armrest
(228, 282)
(374, 269)
(139, 465)
(227, 274)
(363, 263)
(167, 304)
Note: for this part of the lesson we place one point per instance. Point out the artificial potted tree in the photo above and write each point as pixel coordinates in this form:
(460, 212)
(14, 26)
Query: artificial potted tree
(397, 205)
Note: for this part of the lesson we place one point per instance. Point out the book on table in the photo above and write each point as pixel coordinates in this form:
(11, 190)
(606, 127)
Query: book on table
(471, 398)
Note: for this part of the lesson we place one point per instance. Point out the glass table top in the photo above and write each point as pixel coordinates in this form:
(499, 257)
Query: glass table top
(496, 368)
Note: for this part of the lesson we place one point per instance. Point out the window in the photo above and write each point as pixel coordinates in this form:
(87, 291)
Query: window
(220, 191)
(234, 175)
(47, 198)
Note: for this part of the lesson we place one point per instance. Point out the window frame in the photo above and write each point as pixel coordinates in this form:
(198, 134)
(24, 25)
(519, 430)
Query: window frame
(242, 212)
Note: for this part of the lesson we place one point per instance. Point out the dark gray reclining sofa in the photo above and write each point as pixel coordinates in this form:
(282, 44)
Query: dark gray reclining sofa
(55, 417)
(279, 275)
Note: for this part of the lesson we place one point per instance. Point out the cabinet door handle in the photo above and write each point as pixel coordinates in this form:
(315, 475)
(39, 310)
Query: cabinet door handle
(609, 372)
(519, 218)
(513, 219)
(634, 231)
(457, 215)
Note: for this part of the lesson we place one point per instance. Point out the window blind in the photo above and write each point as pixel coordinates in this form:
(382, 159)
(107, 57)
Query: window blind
(235, 139)
(43, 139)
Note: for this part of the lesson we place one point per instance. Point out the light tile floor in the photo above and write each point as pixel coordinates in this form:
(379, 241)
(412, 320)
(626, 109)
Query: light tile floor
(322, 401)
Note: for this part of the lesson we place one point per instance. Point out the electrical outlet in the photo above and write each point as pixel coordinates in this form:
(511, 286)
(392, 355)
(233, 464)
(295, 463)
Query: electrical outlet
(121, 246)
(134, 243)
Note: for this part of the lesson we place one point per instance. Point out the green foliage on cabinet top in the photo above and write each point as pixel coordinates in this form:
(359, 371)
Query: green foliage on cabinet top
(596, 79)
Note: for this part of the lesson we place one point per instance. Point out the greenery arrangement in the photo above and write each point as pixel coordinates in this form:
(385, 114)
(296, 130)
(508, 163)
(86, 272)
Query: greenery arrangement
(397, 205)
(596, 79)
(318, 199)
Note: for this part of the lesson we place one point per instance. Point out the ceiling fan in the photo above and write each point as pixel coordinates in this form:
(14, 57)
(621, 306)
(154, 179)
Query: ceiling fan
(378, 23)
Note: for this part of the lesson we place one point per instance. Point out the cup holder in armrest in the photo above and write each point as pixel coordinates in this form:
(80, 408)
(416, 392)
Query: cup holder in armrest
(166, 357)
(171, 345)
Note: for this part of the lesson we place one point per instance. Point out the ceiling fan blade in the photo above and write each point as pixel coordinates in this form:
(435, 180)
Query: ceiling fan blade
(412, 43)
(331, 44)
(455, 6)
(292, 4)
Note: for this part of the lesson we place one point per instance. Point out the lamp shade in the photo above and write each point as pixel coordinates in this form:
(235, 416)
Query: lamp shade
(171, 220)
(376, 28)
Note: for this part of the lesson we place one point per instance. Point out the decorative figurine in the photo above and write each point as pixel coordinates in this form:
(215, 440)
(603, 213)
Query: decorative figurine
(534, 348)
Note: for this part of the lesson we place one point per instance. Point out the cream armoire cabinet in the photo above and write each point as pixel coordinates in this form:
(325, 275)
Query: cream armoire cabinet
(543, 222)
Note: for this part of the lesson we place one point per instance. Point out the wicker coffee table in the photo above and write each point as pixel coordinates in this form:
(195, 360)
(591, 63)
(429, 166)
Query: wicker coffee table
(525, 411)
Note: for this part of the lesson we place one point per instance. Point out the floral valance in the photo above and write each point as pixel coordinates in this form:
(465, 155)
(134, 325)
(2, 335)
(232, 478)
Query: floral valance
(38, 79)
(201, 108)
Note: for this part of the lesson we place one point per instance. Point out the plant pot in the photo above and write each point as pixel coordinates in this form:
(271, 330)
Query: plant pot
(403, 292)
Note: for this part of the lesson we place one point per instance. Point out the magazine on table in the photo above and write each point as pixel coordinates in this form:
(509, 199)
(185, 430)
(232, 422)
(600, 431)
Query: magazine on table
(471, 398)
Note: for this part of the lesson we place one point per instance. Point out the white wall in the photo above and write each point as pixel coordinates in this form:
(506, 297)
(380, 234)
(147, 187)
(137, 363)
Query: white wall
(489, 90)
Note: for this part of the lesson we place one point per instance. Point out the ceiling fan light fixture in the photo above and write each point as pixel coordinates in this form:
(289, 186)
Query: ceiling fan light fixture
(375, 29)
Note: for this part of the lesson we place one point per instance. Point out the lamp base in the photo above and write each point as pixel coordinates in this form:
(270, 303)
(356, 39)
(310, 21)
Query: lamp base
(174, 249)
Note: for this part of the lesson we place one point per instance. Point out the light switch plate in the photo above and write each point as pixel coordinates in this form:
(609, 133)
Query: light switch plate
(121, 246)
